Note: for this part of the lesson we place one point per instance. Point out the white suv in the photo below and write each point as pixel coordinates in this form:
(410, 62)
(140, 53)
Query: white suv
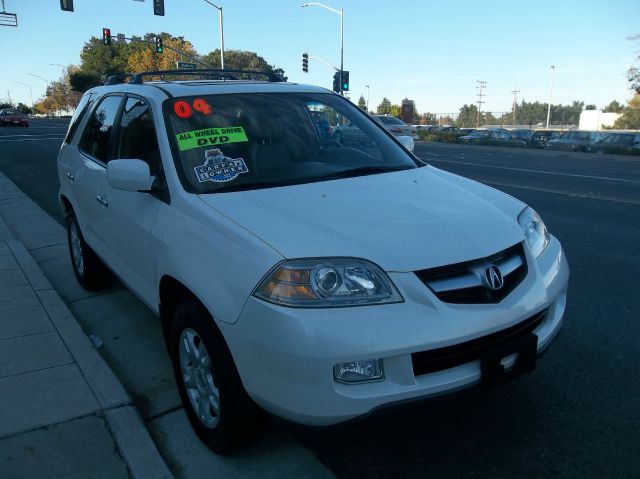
(293, 273)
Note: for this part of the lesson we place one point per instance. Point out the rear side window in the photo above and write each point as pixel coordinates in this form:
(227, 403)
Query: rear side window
(99, 129)
(82, 107)
(138, 138)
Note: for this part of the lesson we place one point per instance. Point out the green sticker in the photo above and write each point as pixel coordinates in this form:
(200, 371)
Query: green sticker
(210, 136)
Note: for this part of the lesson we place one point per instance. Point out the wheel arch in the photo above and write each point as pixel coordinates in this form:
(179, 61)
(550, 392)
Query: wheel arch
(65, 205)
(171, 293)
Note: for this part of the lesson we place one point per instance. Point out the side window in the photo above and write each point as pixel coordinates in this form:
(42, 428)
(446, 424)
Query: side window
(138, 135)
(95, 140)
(82, 107)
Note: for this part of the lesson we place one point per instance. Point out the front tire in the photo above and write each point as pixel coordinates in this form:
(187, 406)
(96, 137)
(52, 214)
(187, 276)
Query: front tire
(89, 270)
(219, 409)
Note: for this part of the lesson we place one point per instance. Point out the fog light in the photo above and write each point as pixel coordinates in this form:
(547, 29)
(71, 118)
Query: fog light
(358, 371)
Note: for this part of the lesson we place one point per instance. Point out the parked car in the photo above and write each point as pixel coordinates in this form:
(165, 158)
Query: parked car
(294, 274)
(349, 133)
(448, 129)
(540, 138)
(12, 117)
(522, 134)
(576, 141)
(492, 136)
(619, 143)
(425, 127)
(396, 126)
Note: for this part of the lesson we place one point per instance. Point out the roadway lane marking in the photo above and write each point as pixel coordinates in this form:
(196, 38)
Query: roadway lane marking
(560, 192)
(573, 175)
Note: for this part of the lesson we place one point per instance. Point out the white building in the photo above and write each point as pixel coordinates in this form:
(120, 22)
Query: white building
(596, 119)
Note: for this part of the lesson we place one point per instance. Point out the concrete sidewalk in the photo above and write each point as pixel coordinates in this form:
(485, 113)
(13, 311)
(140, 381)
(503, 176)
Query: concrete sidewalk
(63, 413)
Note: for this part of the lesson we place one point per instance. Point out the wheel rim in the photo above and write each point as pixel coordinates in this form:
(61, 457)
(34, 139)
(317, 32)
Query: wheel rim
(197, 377)
(76, 249)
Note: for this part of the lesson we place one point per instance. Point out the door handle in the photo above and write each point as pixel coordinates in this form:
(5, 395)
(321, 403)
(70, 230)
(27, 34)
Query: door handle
(100, 199)
(69, 175)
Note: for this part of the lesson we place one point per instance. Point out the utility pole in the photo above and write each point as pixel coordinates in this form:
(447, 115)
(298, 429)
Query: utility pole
(515, 103)
(480, 84)
(553, 72)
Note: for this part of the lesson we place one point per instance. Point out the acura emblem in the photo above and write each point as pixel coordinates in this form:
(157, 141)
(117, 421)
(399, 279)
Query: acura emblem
(493, 277)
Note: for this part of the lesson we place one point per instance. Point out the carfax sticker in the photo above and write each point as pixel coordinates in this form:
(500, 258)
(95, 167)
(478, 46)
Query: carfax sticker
(219, 168)
(210, 137)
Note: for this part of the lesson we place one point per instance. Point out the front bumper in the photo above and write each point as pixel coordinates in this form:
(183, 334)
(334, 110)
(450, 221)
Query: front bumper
(285, 356)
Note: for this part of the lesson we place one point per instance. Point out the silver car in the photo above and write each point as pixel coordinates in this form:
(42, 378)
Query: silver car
(396, 127)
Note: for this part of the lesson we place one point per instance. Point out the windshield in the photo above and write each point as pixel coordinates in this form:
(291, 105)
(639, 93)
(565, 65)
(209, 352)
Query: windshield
(245, 141)
(480, 133)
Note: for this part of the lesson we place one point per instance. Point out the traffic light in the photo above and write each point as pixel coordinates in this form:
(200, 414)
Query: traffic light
(158, 7)
(159, 46)
(66, 5)
(336, 82)
(305, 62)
(106, 36)
(345, 81)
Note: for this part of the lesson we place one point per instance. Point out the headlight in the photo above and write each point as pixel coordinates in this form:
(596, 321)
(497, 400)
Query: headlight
(327, 282)
(534, 231)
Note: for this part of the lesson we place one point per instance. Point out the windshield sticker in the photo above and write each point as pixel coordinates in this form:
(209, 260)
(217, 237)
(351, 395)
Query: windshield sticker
(182, 109)
(210, 137)
(219, 168)
(201, 105)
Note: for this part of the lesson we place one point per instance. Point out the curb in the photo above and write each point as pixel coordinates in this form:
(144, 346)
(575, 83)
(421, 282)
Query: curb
(134, 443)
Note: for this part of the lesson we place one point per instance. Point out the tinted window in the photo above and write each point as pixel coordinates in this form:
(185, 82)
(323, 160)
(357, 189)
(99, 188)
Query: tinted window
(95, 140)
(138, 135)
(82, 107)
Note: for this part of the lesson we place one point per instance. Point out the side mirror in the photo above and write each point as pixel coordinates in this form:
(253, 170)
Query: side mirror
(129, 175)
(406, 141)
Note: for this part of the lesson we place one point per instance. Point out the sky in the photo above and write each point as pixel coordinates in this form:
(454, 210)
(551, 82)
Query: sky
(430, 51)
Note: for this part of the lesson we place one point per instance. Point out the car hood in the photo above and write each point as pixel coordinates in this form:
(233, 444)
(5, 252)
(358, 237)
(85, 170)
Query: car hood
(403, 221)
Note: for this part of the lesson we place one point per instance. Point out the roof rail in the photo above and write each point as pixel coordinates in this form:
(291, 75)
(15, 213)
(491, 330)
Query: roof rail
(137, 78)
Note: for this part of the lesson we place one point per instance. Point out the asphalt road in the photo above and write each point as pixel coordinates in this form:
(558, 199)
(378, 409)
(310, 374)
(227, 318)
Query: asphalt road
(578, 413)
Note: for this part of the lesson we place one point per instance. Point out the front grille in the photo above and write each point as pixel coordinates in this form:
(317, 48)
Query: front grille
(462, 283)
(425, 362)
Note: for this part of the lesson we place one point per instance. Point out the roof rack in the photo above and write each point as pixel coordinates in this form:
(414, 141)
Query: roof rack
(137, 78)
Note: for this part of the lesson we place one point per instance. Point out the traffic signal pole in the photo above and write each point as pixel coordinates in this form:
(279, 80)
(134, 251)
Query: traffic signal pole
(154, 43)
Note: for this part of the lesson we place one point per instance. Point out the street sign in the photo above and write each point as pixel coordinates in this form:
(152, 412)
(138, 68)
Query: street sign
(121, 37)
(186, 65)
(8, 19)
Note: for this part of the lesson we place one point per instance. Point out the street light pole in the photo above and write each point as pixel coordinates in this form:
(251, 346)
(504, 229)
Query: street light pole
(367, 87)
(30, 90)
(553, 71)
(221, 33)
(341, 13)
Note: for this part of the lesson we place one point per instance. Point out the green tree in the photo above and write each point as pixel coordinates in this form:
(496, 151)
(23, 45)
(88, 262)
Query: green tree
(395, 110)
(467, 115)
(242, 60)
(590, 107)
(24, 109)
(362, 104)
(630, 119)
(614, 107)
(384, 108)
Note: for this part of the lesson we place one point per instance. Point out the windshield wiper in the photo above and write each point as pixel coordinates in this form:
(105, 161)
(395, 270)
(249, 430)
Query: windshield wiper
(363, 171)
